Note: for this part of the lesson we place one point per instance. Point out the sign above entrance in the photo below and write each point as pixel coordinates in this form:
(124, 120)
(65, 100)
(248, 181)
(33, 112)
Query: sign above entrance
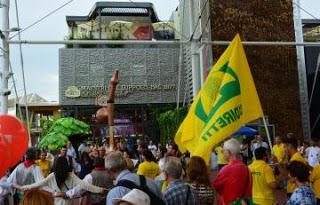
(72, 92)
(122, 91)
(102, 100)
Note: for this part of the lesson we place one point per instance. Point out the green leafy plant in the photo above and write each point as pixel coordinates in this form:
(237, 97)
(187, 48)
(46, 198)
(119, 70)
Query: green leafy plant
(61, 130)
(169, 123)
(47, 122)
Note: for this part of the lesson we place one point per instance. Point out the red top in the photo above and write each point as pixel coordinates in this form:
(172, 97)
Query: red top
(233, 182)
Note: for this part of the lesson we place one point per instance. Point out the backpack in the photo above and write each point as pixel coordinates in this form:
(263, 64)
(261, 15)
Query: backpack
(154, 199)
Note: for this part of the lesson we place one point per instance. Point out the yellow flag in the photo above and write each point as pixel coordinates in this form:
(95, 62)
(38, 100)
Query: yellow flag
(227, 100)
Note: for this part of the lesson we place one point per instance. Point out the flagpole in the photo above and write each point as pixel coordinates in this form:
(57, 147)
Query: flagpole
(267, 132)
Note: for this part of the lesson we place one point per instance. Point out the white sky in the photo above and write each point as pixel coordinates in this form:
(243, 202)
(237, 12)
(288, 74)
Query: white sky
(41, 61)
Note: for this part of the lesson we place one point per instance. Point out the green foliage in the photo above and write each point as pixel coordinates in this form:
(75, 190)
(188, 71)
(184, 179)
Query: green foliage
(46, 123)
(169, 123)
(60, 130)
(81, 36)
(312, 38)
(70, 37)
(53, 141)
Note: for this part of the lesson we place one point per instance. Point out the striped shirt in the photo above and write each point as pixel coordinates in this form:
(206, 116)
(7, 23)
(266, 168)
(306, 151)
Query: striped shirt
(203, 194)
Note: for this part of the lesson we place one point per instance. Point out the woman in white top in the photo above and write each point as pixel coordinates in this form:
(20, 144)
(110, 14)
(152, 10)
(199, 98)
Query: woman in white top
(60, 181)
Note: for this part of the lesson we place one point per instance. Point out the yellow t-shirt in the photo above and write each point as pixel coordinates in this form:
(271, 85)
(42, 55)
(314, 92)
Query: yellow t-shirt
(45, 166)
(220, 156)
(296, 157)
(279, 151)
(149, 169)
(315, 179)
(262, 175)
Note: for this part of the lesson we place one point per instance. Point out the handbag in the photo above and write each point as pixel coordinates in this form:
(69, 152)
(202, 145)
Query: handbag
(243, 201)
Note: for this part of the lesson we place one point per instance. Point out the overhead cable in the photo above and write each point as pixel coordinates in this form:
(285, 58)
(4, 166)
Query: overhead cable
(41, 19)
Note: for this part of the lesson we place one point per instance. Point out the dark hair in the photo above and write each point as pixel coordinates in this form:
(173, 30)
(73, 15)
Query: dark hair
(148, 155)
(245, 141)
(299, 170)
(260, 152)
(163, 150)
(143, 145)
(128, 152)
(31, 154)
(292, 141)
(64, 147)
(98, 162)
(174, 146)
(84, 155)
(61, 170)
(197, 171)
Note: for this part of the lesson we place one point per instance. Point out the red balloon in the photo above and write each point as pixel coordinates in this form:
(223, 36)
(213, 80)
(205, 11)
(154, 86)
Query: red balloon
(13, 134)
(4, 159)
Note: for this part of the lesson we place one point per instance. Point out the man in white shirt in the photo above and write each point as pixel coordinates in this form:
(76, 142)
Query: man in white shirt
(152, 148)
(4, 191)
(71, 151)
(83, 148)
(74, 166)
(313, 152)
(25, 173)
(258, 143)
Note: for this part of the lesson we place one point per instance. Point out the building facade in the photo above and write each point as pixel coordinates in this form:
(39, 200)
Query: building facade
(150, 75)
(274, 69)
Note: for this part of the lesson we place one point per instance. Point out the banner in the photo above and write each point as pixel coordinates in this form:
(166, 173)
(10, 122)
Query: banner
(227, 100)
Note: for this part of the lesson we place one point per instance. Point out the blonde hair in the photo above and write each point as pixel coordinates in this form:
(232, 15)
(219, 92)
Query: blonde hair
(36, 196)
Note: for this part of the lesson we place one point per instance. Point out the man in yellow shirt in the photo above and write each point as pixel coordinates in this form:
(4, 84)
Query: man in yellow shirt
(148, 167)
(264, 181)
(315, 180)
(294, 155)
(278, 150)
(221, 160)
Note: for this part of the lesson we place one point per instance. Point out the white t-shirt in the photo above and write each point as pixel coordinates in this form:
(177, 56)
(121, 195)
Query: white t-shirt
(313, 156)
(153, 149)
(257, 145)
(71, 152)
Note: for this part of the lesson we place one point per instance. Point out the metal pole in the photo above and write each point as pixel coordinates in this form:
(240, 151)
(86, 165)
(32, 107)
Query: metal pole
(266, 43)
(179, 75)
(302, 75)
(267, 132)
(194, 48)
(148, 42)
(23, 78)
(112, 42)
(5, 74)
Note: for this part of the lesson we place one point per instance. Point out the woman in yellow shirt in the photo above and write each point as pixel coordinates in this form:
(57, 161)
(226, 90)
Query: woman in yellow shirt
(278, 150)
(148, 168)
(44, 164)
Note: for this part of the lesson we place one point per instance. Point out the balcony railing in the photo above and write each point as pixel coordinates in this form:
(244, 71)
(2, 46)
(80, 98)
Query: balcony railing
(122, 30)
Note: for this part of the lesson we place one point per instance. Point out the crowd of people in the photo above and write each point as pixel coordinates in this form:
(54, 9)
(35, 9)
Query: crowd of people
(241, 171)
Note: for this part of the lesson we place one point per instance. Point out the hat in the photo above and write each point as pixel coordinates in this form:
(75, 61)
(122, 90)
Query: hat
(135, 197)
